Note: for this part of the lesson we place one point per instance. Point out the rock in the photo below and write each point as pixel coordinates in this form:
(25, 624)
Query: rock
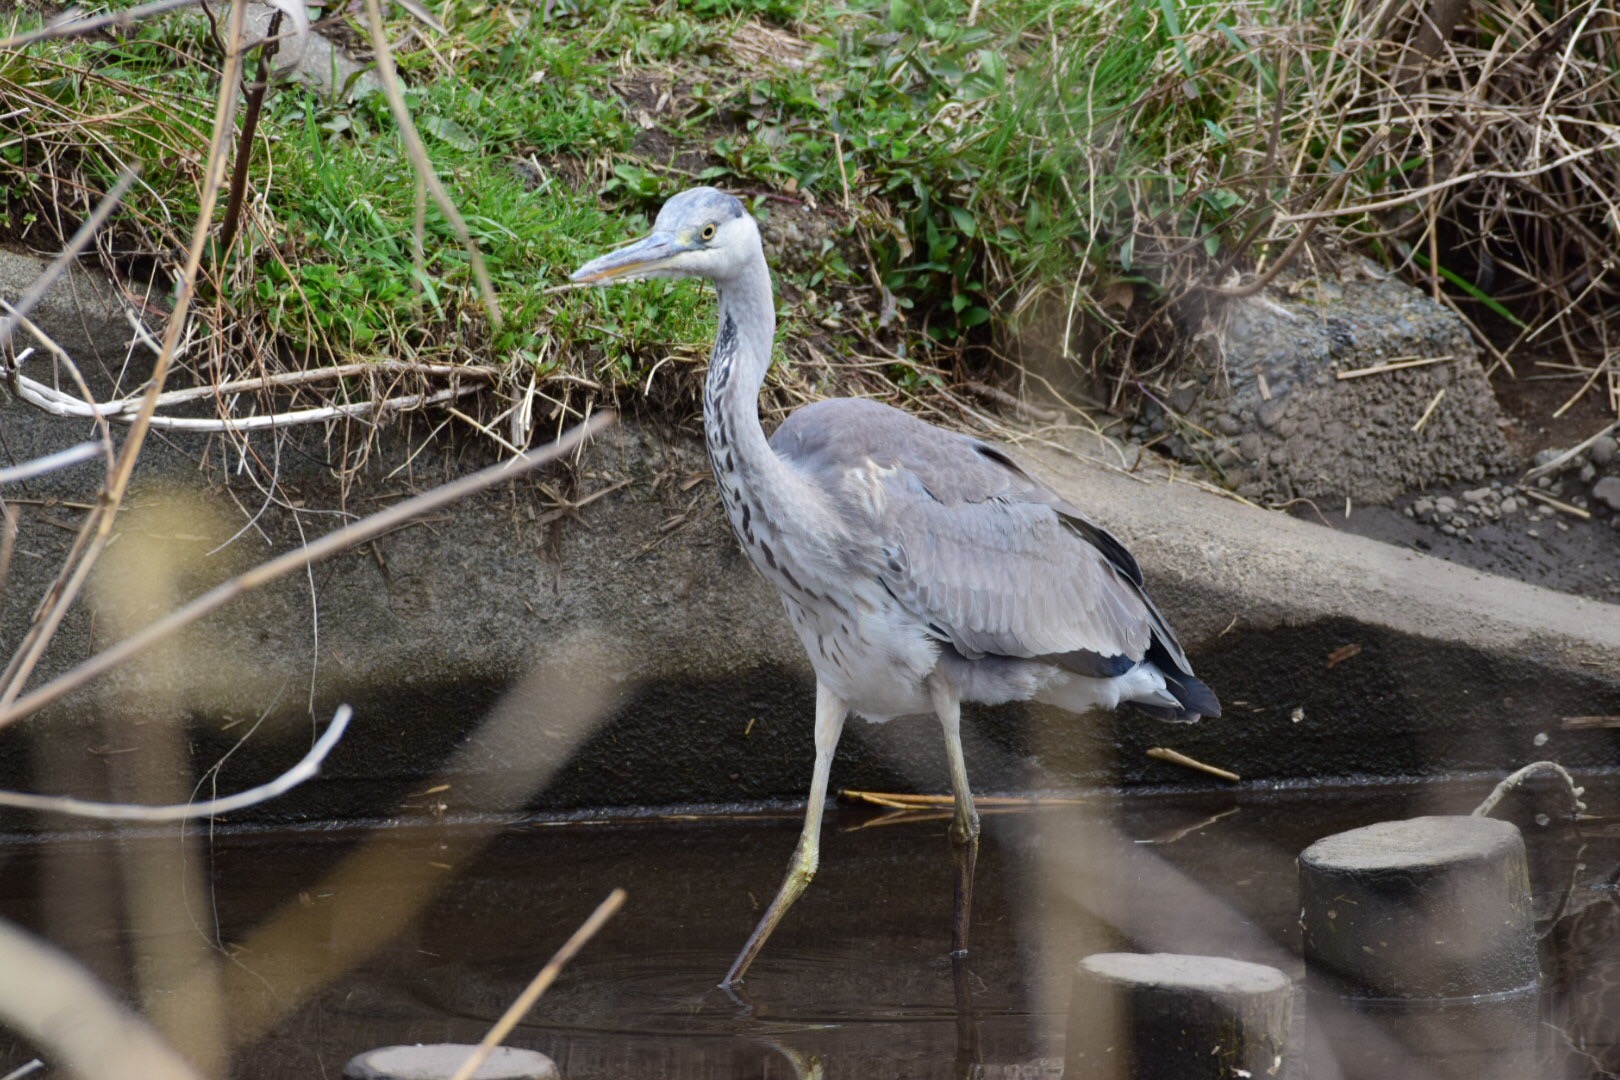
(1431, 907)
(1476, 496)
(1315, 435)
(1419, 941)
(440, 1061)
(1423, 509)
(313, 59)
(1588, 473)
(1270, 412)
(1149, 1016)
(1445, 506)
(1607, 492)
(1510, 505)
(1547, 456)
(1602, 451)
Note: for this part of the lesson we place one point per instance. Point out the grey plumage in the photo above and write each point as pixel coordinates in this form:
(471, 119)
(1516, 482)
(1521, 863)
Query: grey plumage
(920, 567)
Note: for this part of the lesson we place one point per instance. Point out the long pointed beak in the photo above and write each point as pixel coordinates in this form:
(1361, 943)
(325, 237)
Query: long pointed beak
(642, 257)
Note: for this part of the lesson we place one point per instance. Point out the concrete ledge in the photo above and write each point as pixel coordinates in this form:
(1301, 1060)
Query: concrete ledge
(1455, 669)
(707, 697)
(1335, 656)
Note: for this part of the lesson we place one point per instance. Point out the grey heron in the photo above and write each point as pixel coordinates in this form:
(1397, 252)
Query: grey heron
(920, 567)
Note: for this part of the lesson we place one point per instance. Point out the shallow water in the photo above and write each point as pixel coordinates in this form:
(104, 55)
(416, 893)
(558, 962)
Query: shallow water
(338, 941)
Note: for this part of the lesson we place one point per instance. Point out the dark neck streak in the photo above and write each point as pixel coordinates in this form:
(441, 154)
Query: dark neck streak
(749, 472)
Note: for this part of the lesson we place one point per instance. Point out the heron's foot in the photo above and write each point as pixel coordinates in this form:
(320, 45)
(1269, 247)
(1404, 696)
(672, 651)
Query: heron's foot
(800, 872)
(734, 992)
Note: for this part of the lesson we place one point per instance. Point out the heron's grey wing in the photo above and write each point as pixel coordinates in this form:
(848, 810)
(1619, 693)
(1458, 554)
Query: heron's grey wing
(993, 559)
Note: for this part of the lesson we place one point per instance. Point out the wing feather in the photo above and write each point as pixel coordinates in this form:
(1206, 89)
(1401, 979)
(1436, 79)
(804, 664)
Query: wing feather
(985, 553)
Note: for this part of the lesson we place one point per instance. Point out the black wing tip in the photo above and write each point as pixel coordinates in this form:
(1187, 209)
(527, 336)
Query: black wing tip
(1197, 700)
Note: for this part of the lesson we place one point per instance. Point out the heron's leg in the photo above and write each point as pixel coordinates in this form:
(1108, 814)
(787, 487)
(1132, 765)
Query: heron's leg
(965, 825)
(830, 713)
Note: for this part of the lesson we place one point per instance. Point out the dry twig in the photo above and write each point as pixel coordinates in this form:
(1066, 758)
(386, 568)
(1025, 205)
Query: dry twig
(307, 767)
(1176, 757)
(539, 984)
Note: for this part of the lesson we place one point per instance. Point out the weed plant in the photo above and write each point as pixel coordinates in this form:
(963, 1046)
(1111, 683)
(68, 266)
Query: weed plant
(969, 171)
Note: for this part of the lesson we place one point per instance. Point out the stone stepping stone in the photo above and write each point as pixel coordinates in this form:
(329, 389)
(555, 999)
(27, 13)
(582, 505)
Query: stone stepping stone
(1431, 907)
(439, 1061)
(1149, 1016)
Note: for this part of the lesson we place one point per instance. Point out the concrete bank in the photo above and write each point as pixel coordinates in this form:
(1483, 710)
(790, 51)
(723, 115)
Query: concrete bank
(673, 678)
(666, 671)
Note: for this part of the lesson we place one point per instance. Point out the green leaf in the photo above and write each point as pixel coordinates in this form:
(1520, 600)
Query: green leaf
(449, 132)
(1474, 291)
(966, 223)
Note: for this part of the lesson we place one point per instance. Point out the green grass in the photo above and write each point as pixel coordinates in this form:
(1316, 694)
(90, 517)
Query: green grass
(1065, 148)
(962, 165)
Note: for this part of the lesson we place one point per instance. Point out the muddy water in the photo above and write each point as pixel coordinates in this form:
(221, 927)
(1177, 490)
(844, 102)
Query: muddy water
(325, 944)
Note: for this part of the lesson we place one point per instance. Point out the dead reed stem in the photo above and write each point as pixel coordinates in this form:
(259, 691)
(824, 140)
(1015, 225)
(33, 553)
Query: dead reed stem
(539, 984)
(98, 526)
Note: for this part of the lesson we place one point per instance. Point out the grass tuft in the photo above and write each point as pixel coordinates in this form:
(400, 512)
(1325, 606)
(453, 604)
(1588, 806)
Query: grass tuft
(937, 179)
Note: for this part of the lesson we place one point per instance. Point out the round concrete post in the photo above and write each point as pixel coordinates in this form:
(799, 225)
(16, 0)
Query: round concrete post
(1420, 951)
(1488, 1038)
(1150, 1016)
(1432, 907)
(440, 1061)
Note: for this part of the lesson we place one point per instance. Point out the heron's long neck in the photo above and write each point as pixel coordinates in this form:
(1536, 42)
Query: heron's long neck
(745, 466)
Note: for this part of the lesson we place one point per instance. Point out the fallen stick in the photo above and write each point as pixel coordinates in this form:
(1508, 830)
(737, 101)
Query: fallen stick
(1556, 504)
(59, 404)
(1569, 455)
(1433, 405)
(307, 767)
(1176, 757)
(50, 463)
(1393, 365)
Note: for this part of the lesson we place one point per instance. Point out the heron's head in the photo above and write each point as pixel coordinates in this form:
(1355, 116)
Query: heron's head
(701, 232)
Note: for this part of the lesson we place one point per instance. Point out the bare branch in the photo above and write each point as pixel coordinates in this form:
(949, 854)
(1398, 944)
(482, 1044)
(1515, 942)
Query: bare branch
(531, 993)
(26, 1069)
(59, 404)
(306, 769)
(50, 463)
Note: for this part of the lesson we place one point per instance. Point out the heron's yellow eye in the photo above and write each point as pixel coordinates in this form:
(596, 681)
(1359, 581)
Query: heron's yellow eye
(708, 231)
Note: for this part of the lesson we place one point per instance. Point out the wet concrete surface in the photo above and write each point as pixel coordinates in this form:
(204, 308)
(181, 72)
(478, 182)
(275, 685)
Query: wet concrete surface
(1544, 547)
(322, 944)
(1533, 542)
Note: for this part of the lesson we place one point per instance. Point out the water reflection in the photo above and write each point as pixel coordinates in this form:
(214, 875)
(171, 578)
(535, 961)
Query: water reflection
(857, 982)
